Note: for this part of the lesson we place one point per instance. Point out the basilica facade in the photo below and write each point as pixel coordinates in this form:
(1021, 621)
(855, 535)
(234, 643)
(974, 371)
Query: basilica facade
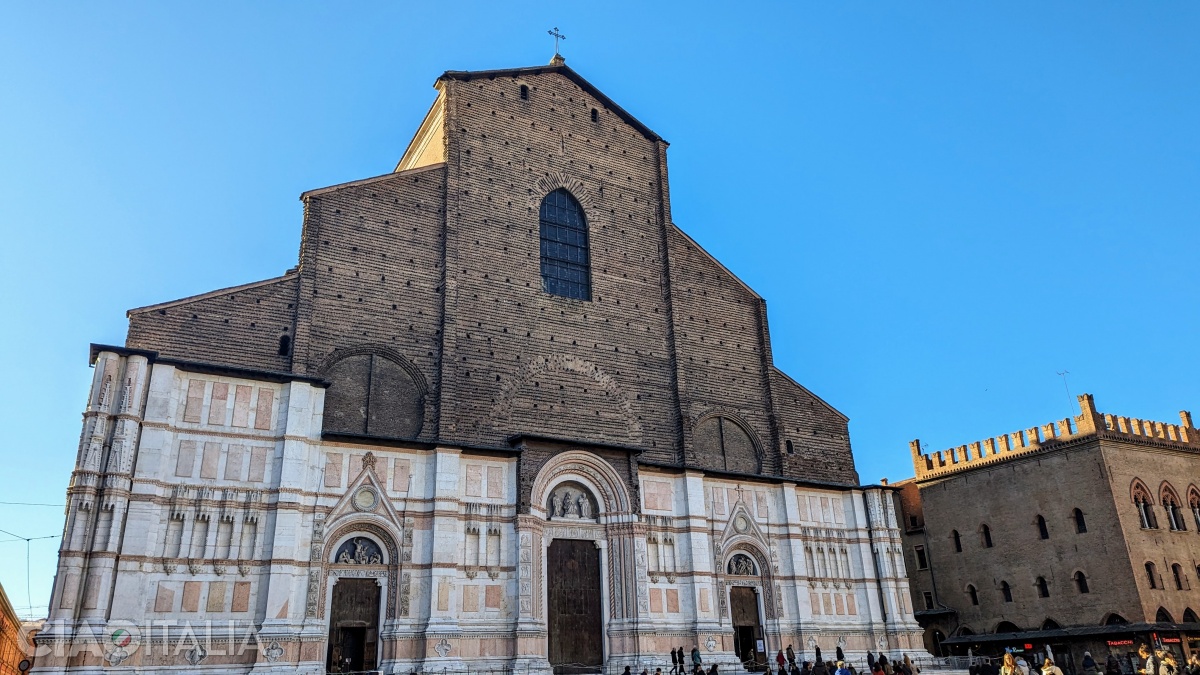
(504, 414)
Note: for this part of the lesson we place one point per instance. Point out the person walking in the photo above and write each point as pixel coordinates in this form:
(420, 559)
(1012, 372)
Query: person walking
(819, 668)
(674, 662)
(1048, 667)
(1089, 665)
(1112, 666)
(696, 656)
(780, 660)
(908, 668)
(791, 656)
(841, 668)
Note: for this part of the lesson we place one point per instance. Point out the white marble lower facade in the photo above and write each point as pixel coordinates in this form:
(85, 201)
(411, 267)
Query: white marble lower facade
(210, 519)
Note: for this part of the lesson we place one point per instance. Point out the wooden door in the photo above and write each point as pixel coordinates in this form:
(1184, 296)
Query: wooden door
(353, 626)
(574, 597)
(747, 630)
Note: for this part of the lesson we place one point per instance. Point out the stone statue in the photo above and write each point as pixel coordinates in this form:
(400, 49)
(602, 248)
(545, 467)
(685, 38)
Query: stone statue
(554, 504)
(585, 507)
(566, 507)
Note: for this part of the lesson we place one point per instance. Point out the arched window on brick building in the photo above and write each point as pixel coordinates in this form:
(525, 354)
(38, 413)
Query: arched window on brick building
(957, 541)
(973, 594)
(985, 535)
(1179, 578)
(1194, 505)
(1080, 522)
(1006, 591)
(566, 262)
(1081, 583)
(1152, 575)
(1171, 505)
(1145, 505)
(1043, 588)
(1043, 531)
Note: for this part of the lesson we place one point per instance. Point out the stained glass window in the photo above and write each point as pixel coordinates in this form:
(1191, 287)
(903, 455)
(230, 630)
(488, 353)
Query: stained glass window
(566, 268)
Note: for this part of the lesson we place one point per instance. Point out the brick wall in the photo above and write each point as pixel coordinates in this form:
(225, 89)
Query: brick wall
(438, 269)
(239, 326)
(371, 275)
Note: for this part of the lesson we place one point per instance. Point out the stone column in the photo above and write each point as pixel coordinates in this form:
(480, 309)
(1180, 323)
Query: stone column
(442, 644)
(531, 656)
(292, 581)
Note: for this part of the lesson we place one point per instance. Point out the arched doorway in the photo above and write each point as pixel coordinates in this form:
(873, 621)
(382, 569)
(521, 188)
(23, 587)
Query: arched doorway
(574, 590)
(580, 569)
(746, 610)
(355, 607)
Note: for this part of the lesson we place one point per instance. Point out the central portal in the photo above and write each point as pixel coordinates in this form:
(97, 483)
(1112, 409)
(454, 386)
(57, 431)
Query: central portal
(574, 598)
(353, 626)
(747, 630)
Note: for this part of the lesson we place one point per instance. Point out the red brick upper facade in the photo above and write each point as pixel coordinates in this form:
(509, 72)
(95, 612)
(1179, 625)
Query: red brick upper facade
(420, 292)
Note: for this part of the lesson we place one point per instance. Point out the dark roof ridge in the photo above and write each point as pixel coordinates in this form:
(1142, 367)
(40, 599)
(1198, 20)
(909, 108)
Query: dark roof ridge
(570, 74)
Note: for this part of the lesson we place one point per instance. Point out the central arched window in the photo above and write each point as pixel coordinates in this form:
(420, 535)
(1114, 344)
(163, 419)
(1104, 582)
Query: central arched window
(566, 266)
(1043, 531)
(1080, 522)
(1006, 591)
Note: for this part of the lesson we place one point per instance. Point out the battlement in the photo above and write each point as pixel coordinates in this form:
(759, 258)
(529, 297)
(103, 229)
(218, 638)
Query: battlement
(1034, 439)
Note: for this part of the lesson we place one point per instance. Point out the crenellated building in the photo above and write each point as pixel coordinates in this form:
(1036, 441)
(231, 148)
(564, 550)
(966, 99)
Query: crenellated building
(503, 414)
(1081, 534)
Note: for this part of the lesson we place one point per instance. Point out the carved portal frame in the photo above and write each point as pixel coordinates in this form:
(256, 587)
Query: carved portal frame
(769, 601)
(385, 575)
(614, 512)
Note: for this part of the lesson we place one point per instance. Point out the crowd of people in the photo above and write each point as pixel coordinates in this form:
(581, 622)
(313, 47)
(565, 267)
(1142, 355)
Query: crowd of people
(1148, 662)
(785, 663)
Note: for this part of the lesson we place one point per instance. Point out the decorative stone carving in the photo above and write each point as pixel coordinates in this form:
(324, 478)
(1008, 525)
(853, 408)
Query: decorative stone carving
(571, 501)
(365, 498)
(741, 565)
(195, 655)
(711, 644)
(359, 551)
(443, 648)
(273, 652)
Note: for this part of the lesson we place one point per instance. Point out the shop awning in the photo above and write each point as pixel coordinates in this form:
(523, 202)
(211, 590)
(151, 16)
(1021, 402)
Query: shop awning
(1074, 632)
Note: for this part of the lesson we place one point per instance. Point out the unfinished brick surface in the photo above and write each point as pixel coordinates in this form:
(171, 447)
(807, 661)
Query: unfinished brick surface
(419, 295)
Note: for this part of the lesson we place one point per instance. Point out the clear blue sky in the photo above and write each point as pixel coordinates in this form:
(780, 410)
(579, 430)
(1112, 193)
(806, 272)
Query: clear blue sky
(944, 203)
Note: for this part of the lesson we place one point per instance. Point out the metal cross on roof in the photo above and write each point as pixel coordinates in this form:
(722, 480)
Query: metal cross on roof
(557, 36)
